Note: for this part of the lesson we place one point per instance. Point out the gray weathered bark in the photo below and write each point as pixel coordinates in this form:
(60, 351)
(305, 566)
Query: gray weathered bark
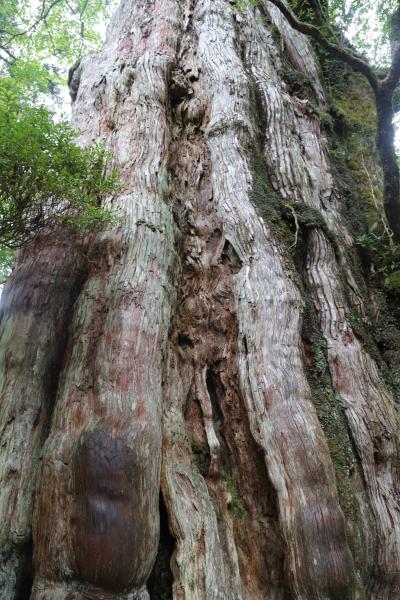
(168, 354)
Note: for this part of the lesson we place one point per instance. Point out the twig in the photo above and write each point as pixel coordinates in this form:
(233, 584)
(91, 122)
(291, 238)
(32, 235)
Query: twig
(387, 229)
(43, 15)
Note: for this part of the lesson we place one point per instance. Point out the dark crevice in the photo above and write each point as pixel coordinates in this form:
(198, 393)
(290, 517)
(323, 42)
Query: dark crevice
(216, 392)
(184, 340)
(231, 258)
(160, 582)
(214, 389)
(25, 580)
(55, 368)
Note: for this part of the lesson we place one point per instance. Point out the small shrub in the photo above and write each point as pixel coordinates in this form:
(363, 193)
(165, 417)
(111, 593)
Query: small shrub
(46, 177)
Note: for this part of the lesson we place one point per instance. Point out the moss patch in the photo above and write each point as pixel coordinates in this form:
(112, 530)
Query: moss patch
(236, 506)
(200, 455)
(334, 426)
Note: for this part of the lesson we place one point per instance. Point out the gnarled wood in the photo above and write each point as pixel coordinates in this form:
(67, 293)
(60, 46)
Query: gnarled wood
(168, 353)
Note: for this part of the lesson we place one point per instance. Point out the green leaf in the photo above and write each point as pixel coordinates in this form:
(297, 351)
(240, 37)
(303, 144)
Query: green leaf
(392, 282)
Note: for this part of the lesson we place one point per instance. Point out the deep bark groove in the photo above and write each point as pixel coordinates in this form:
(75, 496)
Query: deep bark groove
(160, 582)
(189, 363)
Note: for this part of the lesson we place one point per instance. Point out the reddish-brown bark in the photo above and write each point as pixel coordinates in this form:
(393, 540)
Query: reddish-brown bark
(168, 355)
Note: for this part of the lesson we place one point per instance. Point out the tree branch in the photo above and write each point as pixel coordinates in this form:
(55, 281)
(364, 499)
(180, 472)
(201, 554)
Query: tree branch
(391, 80)
(8, 52)
(339, 52)
(44, 13)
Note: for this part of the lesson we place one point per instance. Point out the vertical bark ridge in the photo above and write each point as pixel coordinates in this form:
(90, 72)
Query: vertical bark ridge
(368, 407)
(282, 417)
(36, 309)
(296, 46)
(370, 412)
(160, 582)
(96, 522)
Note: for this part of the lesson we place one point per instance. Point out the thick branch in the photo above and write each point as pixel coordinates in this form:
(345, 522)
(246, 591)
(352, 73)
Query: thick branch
(337, 51)
(393, 76)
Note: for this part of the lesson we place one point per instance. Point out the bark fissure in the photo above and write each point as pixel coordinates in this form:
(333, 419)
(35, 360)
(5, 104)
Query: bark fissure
(160, 580)
(191, 362)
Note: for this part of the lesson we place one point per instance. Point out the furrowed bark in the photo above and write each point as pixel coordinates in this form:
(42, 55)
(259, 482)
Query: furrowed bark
(375, 433)
(370, 412)
(96, 515)
(168, 363)
(35, 314)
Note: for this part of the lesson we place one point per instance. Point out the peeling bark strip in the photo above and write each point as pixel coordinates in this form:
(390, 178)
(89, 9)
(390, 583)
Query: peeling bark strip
(178, 358)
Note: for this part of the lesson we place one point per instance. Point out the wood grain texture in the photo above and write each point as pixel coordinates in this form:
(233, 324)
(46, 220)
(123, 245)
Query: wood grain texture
(35, 311)
(106, 422)
(167, 354)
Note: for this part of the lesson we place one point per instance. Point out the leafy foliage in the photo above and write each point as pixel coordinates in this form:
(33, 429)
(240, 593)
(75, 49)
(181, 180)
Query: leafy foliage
(386, 257)
(6, 263)
(368, 25)
(39, 39)
(46, 177)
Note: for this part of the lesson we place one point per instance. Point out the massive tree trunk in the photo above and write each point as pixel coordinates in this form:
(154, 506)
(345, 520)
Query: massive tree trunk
(200, 362)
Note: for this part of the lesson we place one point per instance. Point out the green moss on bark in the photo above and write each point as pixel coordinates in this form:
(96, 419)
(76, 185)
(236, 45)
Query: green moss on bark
(333, 423)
